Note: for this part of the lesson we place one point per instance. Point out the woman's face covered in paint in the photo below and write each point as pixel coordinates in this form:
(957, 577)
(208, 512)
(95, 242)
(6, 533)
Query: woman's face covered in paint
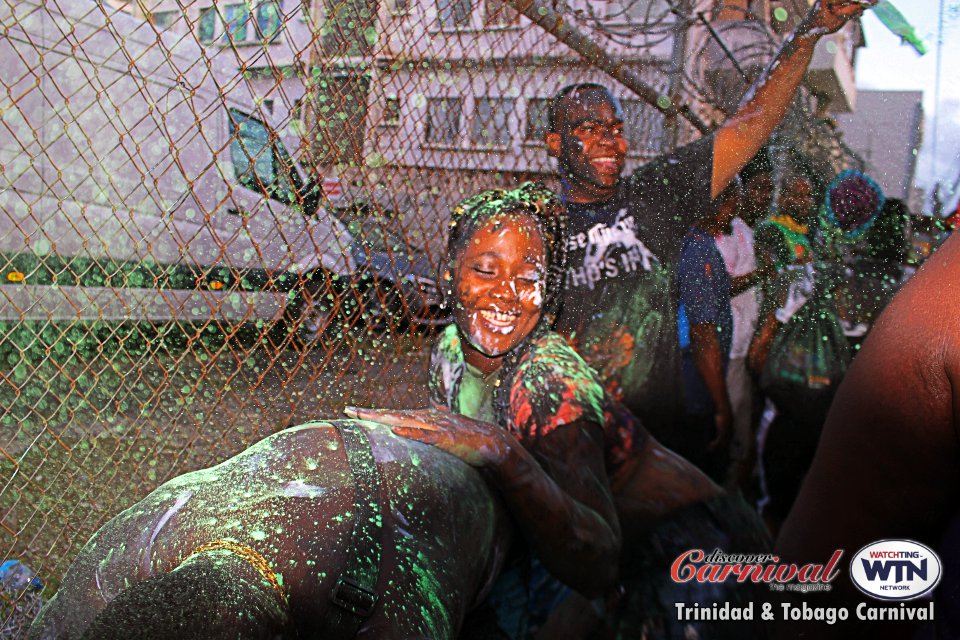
(499, 284)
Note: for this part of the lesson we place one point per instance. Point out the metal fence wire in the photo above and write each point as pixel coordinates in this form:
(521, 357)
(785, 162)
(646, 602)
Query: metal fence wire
(222, 217)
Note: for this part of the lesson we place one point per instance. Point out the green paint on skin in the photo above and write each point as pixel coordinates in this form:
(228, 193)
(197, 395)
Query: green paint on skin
(260, 521)
(437, 618)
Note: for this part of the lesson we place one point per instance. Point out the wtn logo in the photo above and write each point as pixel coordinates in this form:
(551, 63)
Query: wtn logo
(903, 570)
(895, 569)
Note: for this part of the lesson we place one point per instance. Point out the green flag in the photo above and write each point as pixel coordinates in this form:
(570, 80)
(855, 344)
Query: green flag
(894, 20)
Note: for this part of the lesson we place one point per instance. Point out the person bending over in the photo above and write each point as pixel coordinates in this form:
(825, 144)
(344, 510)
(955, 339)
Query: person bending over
(328, 530)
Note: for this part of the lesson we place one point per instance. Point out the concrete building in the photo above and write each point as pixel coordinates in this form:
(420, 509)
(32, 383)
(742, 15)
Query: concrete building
(415, 103)
(886, 132)
(459, 88)
(268, 40)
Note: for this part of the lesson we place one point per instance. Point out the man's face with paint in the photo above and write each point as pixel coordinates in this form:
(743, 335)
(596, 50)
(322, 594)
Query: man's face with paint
(499, 282)
(588, 143)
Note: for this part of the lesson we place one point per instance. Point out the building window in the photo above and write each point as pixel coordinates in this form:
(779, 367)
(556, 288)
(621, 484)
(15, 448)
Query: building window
(454, 14)
(642, 126)
(236, 18)
(260, 163)
(238, 24)
(207, 25)
(443, 120)
(391, 111)
(491, 122)
(498, 13)
(163, 20)
(268, 19)
(536, 127)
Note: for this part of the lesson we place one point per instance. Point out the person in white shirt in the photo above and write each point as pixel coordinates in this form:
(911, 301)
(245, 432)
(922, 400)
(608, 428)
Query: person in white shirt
(736, 247)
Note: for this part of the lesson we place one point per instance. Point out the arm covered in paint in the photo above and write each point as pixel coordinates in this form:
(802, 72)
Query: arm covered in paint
(571, 524)
(766, 102)
(557, 493)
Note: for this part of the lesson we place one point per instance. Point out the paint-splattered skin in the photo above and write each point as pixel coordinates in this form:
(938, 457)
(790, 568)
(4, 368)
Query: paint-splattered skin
(498, 284)
(290, 498)
(590, 145)
(551, 386)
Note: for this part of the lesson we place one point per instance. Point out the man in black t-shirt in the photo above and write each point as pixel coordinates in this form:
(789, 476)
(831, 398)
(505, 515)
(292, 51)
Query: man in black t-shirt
(625, 233)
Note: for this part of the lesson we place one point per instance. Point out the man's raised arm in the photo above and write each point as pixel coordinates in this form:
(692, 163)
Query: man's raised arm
(765, 104)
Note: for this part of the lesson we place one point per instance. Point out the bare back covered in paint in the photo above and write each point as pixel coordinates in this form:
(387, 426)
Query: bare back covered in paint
(290, 498)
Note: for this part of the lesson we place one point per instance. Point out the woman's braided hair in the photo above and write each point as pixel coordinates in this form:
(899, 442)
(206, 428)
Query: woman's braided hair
(547, 212)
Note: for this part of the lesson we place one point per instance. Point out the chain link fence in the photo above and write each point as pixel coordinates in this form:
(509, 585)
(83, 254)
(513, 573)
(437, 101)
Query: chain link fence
(220, 218)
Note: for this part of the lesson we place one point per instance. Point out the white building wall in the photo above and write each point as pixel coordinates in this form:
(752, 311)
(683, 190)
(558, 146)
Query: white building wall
(273, 65)
(886, 132)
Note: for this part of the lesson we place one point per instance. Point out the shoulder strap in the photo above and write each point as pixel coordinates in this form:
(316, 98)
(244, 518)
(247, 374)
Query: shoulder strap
(354, 596)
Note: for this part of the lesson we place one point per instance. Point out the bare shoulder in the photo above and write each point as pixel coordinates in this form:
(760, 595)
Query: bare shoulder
(933, 298)
(917, 338)
(899, 395)
(887, 465)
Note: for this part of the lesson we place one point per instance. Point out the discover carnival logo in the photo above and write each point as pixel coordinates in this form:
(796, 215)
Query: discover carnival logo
(895, 569)
(718, 566)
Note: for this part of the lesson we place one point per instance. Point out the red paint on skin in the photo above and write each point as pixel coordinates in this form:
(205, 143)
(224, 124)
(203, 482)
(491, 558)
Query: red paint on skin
(499, 274)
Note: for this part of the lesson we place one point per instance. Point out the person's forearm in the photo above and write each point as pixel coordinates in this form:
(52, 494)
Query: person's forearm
(708, 358)
(762, 109)
(575, 542)
(759, 349)
(739, 284)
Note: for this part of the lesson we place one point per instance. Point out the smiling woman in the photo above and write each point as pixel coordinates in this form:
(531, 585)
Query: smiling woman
(499, 288)
(504, 272)
(512, 396)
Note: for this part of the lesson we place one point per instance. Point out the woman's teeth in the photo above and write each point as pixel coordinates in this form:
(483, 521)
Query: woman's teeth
(499, 319)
